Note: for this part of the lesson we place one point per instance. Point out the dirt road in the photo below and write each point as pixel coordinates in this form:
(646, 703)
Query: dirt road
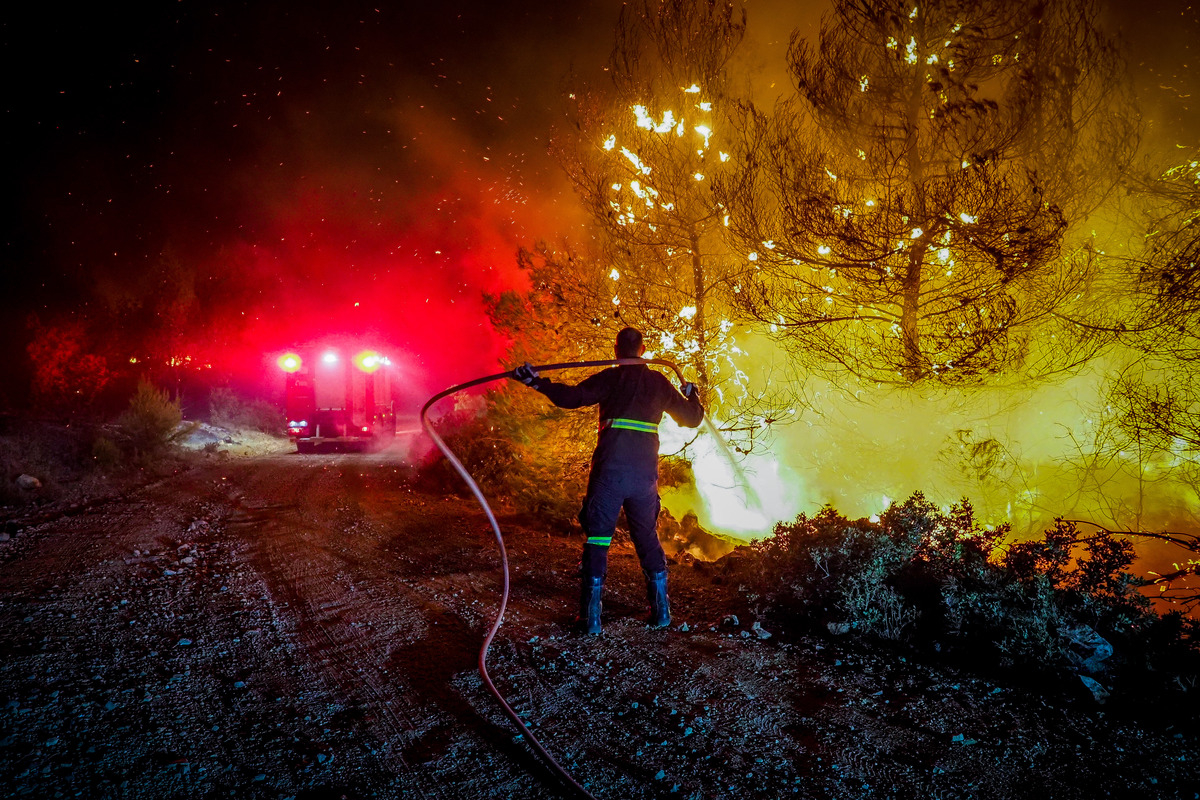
(308, 627)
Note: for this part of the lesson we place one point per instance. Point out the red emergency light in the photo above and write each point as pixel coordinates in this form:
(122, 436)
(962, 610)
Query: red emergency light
(369, 361)
(289, 362)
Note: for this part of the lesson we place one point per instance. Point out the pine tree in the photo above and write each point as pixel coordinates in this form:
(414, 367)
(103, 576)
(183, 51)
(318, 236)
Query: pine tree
(642, 155)
(904, 217)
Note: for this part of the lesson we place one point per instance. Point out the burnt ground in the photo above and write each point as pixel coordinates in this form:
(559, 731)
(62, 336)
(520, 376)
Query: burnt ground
(287, 626)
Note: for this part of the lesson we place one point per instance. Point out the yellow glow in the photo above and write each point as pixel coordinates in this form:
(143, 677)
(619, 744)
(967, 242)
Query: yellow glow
(832, 177)
(705, 106)
(693, 89)
(910, 50)
(724, 156)
(870, 204)
(748, 499)
(368, 361)
(699, 176)
(288, 362)
(863, 83)
(752, 257)
(967, 218)
(824, 250)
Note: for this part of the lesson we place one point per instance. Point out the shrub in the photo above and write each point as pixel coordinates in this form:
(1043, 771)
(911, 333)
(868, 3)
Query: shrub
(105, 453)
(151, 419)
(230, 411)
(922, 576)
(516, 447)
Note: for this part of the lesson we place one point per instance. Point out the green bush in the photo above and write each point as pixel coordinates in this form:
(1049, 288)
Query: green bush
(105, 453)
(230, 411)
(515, 447)
(927, 578)
(151, 419)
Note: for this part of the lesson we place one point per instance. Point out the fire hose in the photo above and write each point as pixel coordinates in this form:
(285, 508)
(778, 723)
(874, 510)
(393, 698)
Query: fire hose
(487, 509)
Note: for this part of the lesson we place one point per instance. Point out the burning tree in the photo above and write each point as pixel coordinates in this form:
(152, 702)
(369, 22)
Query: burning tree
(164, 327)
(904, 218)
(643, 156)
(69, 372)
(1156, 397)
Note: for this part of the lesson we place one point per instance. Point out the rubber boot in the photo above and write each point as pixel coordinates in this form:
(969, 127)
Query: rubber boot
(656, 592)
(590, 594)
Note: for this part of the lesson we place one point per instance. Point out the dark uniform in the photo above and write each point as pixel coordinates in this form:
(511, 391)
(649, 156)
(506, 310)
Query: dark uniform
(632, 400)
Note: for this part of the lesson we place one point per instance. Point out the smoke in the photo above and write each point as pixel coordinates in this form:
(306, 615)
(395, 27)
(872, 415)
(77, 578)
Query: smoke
(1021, 456)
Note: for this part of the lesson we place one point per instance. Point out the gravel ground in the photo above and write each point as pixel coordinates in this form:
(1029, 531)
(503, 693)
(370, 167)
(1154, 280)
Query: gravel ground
(286, 626)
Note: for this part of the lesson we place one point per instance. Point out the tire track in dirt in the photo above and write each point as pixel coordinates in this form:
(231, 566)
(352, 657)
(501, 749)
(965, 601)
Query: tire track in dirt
(378, 642)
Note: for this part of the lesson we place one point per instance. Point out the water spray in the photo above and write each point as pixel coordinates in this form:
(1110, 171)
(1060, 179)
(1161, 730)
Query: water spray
(487, 510)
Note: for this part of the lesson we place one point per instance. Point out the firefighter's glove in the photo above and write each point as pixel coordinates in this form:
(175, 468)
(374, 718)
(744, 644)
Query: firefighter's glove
(688, 390)
(525, 373)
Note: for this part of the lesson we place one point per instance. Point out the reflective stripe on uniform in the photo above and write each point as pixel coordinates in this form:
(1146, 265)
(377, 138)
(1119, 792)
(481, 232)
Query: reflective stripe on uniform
(630, 425)
(602, 541)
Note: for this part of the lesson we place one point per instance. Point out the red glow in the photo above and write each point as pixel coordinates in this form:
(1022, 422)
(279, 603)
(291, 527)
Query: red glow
(368, 263)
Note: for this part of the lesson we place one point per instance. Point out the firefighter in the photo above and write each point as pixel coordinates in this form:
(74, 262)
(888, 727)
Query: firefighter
(632, 400)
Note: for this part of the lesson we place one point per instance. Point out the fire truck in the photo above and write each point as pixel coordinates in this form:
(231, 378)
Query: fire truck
(338, 399)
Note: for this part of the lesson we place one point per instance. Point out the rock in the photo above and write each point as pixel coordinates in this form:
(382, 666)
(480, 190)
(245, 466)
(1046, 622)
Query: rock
(4, 537)
(838, 628)
(199, 526)
(28, 483)
(1093, 686)
(184, 642)
(757, 628)
(730, 621)
(1087, 649)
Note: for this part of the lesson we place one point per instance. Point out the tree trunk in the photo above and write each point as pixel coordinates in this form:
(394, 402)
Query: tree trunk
(700, 361)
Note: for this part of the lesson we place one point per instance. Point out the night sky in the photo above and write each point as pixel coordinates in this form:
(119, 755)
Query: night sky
(363, 168)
